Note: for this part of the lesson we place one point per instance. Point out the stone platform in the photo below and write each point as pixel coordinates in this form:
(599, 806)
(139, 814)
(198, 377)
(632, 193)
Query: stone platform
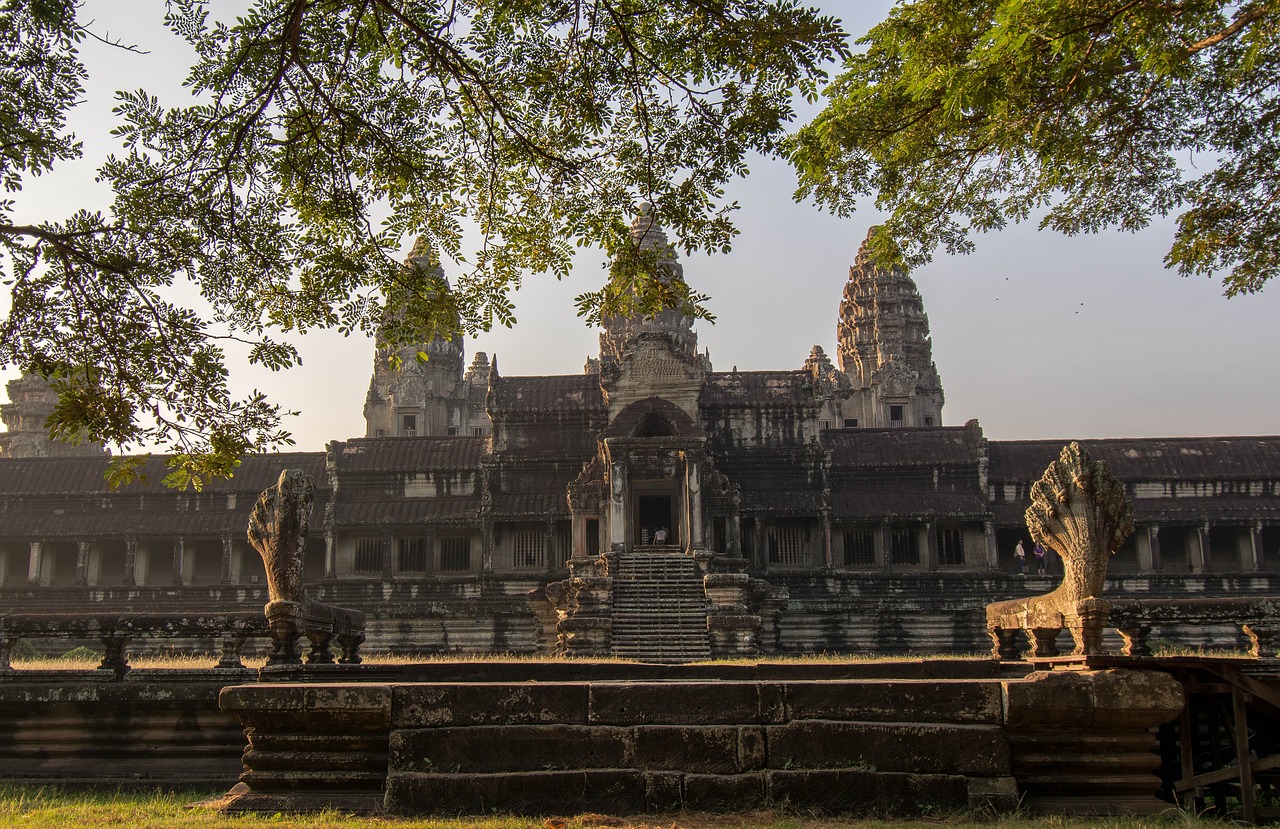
(882, 744)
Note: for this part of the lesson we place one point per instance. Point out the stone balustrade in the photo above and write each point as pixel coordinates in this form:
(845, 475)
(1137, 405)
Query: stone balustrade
(116, 630)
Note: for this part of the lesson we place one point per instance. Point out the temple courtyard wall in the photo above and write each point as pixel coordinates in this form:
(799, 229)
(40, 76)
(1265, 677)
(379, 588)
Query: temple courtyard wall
(806, 612)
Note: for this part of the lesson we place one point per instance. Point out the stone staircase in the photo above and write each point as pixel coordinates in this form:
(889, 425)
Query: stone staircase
(659, 607)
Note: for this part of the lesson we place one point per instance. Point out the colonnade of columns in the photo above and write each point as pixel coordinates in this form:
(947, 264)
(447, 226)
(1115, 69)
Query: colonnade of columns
(137, 565)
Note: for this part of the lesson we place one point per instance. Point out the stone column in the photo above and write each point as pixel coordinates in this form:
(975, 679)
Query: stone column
(130, 563)
(330, 556)
(826, 539)
(693, 502)
(486, 545)
(1142, 544)
(993, 553)
(141, 562)
(179, 561)
(931, 544)
(224, 574)
(549, 561)
(1255, 546)
(1202, 556)
(429, 542)
(388, 552)
(886, 546)
(617, 506)
(82, 563)
(34, 565)
(1153, 541)
(577, 533)
(759, 558)
(734, 529)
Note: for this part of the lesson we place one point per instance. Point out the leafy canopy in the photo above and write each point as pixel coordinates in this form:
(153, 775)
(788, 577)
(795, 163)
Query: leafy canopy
(543, 123)
(961, 115)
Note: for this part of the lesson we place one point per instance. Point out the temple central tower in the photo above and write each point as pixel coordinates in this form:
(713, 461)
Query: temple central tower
(885, 349)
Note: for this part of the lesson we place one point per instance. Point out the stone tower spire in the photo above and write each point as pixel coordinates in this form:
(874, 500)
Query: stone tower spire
(885, 348)
(425, 398)
(31, 401)
(677, 327)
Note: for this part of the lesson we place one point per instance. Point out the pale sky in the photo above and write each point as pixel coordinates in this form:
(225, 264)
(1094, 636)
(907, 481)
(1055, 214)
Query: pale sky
(1035, 334)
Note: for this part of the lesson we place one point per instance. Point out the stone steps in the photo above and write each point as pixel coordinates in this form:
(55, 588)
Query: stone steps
(659, 607)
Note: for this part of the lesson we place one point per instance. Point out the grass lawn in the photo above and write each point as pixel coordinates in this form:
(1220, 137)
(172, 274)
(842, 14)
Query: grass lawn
(53, 808)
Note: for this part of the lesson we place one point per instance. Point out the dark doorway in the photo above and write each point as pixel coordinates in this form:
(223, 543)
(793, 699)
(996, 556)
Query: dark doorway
(653, 512)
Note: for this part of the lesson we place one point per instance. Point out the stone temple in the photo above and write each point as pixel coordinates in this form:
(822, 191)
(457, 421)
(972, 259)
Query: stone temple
(650, 506)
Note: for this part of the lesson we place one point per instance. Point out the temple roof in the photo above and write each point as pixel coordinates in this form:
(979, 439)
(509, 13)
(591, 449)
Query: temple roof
(757, 388)
(409, 512)
(419, 454)
(549, 393)
(40, 476)
(1135, 459)
(887, 448)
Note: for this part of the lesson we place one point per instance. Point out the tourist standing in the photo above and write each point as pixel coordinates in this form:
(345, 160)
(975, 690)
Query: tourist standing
(1020, 556)
(1038, 552)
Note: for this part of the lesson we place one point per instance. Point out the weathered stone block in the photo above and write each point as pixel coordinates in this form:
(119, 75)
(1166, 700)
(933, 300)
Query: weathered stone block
(333, 708)
(545, 792)
(517, 748)
(906, 746)
(713, 750)
(428, 705)
(860, 791)
(1092, 699)
(993, 794)
(751, 748)
(686, 703)
(895, 701)
(724, 792)
(663, 791)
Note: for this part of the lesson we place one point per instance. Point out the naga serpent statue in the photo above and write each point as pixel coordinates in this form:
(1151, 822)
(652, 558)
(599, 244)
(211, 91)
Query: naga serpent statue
(1079, 509)
(278, 531)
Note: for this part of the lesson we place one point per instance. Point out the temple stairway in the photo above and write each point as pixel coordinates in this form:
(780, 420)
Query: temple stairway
(659, 607)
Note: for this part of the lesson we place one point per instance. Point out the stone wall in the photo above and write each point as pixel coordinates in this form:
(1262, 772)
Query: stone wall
(835, 612)
(618, 746)
(156, 728)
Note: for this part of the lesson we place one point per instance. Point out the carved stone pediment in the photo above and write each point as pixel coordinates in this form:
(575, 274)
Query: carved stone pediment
(653, 363)
(895, 379)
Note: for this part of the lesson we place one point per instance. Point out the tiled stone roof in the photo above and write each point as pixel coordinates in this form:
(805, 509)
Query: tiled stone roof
(861, 506)
(555, 392)
(44, 476)
(887, 448)
(382, 455)
(408, 512)
(757, 388)
(1130, 459)
(530, 504)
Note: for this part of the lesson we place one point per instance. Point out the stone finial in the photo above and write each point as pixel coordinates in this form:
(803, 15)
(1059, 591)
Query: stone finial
(1080, 510)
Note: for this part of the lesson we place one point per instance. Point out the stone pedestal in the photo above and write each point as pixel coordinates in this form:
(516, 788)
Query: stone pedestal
(732, 629)
(1082, 741)
(584, 609)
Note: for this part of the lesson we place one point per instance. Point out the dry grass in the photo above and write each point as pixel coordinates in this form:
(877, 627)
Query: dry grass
(85, 659)
(47, 808)
(81, 659)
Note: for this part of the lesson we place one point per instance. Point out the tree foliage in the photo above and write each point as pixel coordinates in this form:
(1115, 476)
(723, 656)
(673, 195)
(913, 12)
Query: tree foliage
(542, 123)
(961, 115)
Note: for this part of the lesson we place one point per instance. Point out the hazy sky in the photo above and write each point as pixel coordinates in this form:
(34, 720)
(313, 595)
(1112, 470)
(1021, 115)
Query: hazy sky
(1036, 335)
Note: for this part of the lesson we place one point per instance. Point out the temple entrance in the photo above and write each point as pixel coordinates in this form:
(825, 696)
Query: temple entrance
(653, 512)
